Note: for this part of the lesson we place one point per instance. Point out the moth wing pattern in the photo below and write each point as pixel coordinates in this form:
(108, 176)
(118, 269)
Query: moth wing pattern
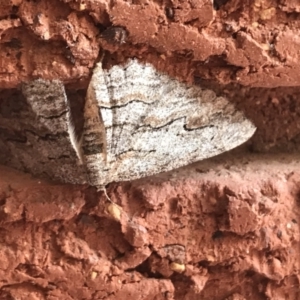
(153, 123)
(94, 141)
(52, 143)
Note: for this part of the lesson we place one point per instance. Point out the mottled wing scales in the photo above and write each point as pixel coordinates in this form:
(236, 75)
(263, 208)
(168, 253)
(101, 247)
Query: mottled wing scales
(49, 101)
(154, 123)
(52, 144)
(94, 135)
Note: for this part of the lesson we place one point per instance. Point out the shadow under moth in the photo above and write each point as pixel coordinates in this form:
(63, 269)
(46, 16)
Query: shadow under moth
(137, 122)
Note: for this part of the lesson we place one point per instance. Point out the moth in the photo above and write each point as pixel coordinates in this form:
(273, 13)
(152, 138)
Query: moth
(138, 122)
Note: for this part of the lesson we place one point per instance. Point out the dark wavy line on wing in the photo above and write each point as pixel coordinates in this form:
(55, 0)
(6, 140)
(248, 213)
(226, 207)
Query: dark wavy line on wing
(129, 102)
(123, 105)
(162, 126)
(53, 116)
(47, 136)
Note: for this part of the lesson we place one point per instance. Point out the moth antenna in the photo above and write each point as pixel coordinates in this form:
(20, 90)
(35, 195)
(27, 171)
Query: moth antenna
(103, 188)
(102, 56)
(118, 209)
